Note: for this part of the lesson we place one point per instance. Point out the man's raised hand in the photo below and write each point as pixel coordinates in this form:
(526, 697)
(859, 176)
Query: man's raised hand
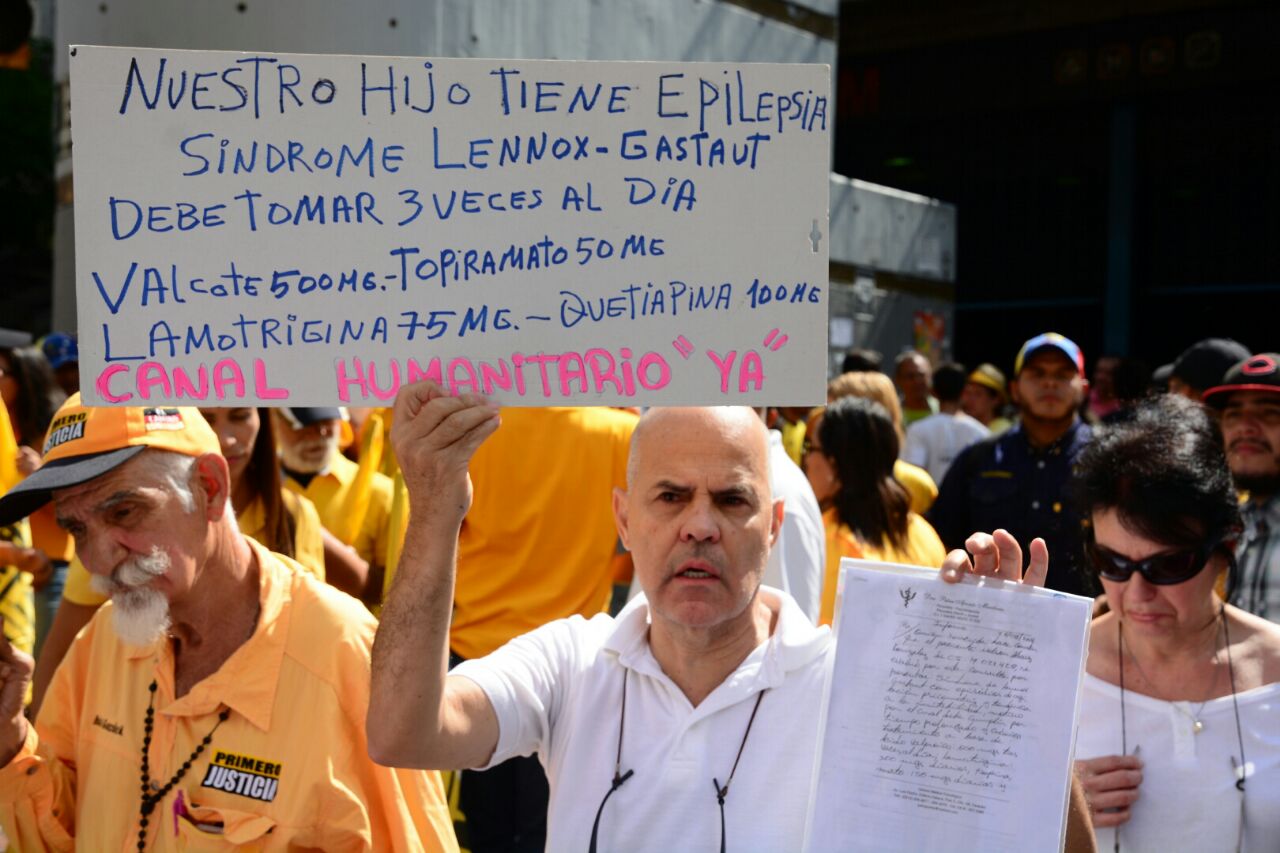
(434, 437)
(998, 555)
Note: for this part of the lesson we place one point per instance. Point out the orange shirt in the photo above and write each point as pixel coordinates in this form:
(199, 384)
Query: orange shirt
(288, 769)
(539, 542)
(921, 547)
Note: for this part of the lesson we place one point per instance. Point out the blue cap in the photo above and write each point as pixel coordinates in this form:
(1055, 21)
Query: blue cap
(60, 348)
(1050, 340)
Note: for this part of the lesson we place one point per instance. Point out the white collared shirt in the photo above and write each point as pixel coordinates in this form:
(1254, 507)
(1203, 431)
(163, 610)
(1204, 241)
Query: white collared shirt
(557, 691)
(798, 559)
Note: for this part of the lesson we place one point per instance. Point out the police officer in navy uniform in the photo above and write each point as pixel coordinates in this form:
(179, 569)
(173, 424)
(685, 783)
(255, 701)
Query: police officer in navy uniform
(1019, 479)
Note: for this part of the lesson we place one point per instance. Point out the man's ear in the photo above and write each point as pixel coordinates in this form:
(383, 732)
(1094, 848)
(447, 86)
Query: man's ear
(213, 481)
(775, 523)
(620, 516)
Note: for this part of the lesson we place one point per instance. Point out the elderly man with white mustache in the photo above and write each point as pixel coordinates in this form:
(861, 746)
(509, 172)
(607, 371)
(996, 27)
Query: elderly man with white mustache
(219, 699)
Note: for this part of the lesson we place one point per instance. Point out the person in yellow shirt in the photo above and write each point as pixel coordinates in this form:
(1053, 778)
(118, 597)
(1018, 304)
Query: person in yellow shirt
(282, 521)
(849, 462)
(356, 512)
(220, 698)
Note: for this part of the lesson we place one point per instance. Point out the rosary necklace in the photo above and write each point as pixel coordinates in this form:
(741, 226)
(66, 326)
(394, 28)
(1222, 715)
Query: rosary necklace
(151, 800)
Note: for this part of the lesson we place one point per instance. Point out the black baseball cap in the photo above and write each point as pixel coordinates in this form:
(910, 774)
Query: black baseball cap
(1257, 373)
(305, 417)
(1203, 364)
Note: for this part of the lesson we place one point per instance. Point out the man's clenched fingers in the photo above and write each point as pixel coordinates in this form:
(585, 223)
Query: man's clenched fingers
(411, 398)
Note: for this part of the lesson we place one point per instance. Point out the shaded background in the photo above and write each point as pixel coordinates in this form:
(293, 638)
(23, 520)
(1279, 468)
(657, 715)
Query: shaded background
(1116, 166)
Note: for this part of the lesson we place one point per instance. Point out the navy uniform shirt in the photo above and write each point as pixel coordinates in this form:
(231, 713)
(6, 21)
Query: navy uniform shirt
(1004, 482)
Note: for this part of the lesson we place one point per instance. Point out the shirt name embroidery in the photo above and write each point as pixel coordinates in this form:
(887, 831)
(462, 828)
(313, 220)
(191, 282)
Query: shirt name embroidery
(114, 728)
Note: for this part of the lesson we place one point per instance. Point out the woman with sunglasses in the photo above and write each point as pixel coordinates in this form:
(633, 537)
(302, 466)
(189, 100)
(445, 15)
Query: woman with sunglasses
(1179, 736)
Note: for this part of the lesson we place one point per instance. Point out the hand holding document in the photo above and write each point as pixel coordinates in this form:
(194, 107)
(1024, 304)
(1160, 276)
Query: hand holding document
(951, 711)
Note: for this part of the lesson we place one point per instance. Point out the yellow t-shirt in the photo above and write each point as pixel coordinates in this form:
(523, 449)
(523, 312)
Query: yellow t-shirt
(17, 606)
(289, 768)
(329, 492)
(539, 541)
(793, 439)
(308, 545)
(922, 547)
(918, 483)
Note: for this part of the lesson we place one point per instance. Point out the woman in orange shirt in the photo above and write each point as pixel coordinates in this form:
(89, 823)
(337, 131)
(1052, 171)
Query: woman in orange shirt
(867, 513)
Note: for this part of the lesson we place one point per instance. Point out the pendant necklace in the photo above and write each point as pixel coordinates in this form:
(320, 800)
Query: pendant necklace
(1197, 725)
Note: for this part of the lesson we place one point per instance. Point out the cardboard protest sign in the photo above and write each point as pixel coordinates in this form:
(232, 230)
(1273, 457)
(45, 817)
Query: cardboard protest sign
(317, 230)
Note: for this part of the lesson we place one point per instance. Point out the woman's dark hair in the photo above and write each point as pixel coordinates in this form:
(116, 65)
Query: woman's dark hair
(1161, 467)
(39, 394)
(859, 439)
(263, 476)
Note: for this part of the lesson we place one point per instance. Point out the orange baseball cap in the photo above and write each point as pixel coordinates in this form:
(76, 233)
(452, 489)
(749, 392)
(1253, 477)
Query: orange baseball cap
(85, 442)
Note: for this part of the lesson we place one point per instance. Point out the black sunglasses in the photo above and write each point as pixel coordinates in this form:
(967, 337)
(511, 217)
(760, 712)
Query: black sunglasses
(1166, 569)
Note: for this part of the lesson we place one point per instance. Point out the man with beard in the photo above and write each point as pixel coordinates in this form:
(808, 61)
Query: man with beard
(1018, 480)
(219, 698)
(315, 468)
(1249, 401)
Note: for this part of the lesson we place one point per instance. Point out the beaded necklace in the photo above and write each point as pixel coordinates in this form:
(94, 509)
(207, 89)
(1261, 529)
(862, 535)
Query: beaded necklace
(151, 800)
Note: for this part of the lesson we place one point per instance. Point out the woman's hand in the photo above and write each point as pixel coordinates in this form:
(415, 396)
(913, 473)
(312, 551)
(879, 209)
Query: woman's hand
(997, 555)
(1110, 785)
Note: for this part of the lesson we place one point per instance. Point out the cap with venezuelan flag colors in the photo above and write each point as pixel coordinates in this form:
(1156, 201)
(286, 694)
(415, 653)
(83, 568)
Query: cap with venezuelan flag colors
(84, 443)
(1049, 340)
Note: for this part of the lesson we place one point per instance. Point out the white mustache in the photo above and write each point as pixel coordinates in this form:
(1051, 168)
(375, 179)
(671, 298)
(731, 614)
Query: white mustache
(133, 573)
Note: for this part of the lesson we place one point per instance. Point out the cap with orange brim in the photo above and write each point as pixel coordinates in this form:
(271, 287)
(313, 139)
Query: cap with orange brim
(85, 442)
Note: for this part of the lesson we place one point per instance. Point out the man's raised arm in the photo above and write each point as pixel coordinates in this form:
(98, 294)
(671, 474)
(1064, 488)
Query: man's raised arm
(418, 716)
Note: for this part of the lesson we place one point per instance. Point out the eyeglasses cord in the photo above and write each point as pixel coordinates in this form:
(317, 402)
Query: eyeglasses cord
(1235, 706)
(619, 777)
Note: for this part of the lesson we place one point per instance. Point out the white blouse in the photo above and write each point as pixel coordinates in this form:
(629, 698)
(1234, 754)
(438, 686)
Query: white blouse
(1188, 799)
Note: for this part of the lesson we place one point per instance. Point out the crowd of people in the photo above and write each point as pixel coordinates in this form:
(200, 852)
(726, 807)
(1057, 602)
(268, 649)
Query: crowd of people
(273, 628)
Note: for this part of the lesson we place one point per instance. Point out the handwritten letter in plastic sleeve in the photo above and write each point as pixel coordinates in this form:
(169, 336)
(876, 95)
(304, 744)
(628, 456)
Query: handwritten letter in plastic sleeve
(288, 229)
(951, 715)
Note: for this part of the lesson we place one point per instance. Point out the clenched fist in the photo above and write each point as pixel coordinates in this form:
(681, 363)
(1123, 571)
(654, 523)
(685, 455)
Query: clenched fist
(434, 437)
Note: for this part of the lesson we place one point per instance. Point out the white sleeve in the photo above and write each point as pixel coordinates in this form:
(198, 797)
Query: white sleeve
(803, 546)
(526, 681)
(914, 449)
